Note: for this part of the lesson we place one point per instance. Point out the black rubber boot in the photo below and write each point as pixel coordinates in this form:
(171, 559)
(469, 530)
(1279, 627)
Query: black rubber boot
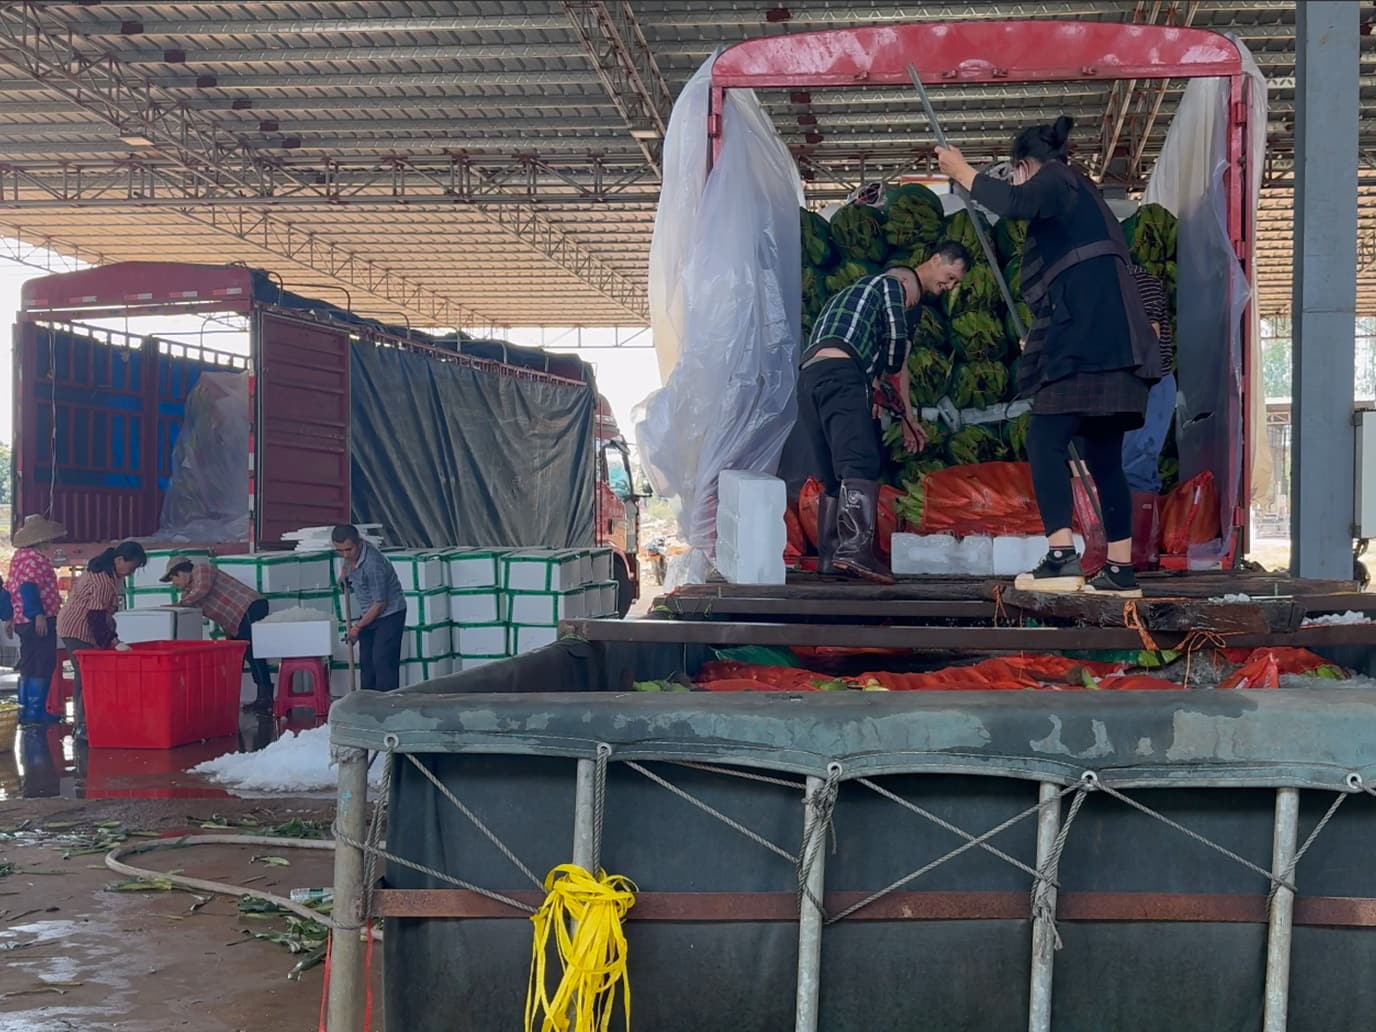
(856, 522)
(827, 535)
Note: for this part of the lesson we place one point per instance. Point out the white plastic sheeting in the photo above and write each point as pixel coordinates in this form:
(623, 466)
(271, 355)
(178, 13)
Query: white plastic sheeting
(207, 495)
(1214, 291)
(725, 308)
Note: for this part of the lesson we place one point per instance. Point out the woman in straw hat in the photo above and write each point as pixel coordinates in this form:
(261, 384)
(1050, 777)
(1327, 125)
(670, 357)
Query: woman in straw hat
(35, 618)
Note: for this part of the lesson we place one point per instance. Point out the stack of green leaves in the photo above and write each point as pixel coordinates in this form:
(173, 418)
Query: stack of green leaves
(857, 231)
(913, 218)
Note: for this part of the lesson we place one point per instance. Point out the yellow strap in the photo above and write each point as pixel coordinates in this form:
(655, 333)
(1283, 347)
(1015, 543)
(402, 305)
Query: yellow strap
(593, 954)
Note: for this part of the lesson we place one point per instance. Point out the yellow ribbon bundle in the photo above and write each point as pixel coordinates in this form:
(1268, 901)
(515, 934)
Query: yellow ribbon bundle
(585, 914)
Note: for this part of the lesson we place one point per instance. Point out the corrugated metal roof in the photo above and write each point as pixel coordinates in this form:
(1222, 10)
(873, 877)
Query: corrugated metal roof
(493, 163)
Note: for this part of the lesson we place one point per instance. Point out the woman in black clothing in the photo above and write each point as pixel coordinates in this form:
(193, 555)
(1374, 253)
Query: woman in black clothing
(1090, 356)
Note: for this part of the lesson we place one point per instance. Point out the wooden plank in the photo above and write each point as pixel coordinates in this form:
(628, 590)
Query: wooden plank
(945, 639)
(1184, 615)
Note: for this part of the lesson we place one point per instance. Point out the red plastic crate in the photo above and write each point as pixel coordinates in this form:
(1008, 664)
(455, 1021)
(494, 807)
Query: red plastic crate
(160, 695)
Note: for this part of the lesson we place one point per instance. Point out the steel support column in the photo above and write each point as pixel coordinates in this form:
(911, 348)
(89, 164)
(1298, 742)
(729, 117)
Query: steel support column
(1325, 286)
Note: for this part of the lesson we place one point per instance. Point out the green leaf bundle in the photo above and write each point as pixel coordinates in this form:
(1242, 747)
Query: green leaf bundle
(816, 239)
(979, 385)
(978, 337)
(929, 373)
(857, 230)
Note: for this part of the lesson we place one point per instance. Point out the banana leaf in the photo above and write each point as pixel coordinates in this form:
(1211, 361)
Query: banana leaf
(974, 444)
(978, 337)
(929, 329)
(1154, 234)
(1015, 432)
(979, 384)
(896, 196)
(911, 257)
(847, 273)
(857, 230)
(1010, 237)
(1011, 329)
(814, 290)
(930, 374)
(816, 238)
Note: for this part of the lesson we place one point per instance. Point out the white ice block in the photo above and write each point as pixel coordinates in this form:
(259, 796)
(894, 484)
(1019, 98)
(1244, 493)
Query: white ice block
(294, 640)
(750, 517)
(480, 640)
(942, 555)
(752, 567)
(1015, 555)
(528, 639)
(170, 623)
(477, 605)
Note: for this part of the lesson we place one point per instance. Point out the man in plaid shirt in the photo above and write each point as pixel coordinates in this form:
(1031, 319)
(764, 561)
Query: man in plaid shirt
(861, 338)
(231, 604)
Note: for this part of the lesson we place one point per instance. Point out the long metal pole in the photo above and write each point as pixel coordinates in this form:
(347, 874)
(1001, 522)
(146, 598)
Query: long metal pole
(583, 833)
(345, 1004)
(810, 914)
(1043, 929)
(977, 221)
(1281, 919)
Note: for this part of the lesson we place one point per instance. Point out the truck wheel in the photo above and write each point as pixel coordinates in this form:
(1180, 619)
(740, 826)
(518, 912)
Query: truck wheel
(625, 591)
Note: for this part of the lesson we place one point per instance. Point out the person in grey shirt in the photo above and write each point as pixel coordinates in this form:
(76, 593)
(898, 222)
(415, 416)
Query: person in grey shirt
(380, 607)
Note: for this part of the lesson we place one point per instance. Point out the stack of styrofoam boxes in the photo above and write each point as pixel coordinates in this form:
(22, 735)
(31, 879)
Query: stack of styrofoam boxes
(427, 648)
(144, 592)
(600, 593)
(477, 606)
(543, 586)
(751, 533)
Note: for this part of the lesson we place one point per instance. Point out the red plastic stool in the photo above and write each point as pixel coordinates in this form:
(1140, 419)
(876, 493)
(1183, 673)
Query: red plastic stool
(317, 699)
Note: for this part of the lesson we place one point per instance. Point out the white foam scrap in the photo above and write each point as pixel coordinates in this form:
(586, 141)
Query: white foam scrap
(1235, 598)
(296, 614)
(1337, 619)
(296, 762)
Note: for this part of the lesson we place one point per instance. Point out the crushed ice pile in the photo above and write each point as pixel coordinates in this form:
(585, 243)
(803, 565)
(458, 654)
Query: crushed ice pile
(296, 762)
(1337, 619)
(296, 614)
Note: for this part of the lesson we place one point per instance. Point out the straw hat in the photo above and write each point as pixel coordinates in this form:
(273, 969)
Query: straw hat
(174, 564)
(37, 530)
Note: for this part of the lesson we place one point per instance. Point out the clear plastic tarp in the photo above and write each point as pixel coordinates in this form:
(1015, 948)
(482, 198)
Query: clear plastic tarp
(207, 494)
(1188, 181)
(725, 308)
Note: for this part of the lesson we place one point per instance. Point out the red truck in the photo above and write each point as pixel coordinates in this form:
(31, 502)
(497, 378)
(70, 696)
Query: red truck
(442, 439)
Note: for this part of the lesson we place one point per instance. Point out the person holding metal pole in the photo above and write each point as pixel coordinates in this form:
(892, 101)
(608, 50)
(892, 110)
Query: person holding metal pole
(1090, 356)
(381, 622)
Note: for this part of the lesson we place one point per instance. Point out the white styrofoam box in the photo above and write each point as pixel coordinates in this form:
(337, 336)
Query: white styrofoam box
(150, 576)
(151, 598)
(418, 569)
(608, 596)
(272, 573)
(485, 640)
(527, 639)
(427, 642)
(477, 605)
(323, 600)
(542, 569)
(750, 516)
(942, 555)
(284, 600)
(424, 608)
(341, 649)
(164, 624)
(544, 608)
(315, 570)
(602, 565)
(476, 567)
(751, 567)
(340, 682)
(584, 566)
(418, 671)
(302, 639)
(1015, 555)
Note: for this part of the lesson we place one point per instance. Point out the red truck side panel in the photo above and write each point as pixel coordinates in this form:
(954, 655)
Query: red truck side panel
(301, 399)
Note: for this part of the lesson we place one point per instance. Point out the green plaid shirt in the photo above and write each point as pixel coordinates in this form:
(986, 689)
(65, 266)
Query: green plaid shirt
(870, 319)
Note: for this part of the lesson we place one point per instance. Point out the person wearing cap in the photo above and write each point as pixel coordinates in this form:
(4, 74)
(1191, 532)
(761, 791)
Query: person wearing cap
(87, 621)
(35, 618)
(231, 604)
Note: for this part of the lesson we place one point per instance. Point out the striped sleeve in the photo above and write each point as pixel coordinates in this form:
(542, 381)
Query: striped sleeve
(1153, 297)
(890, 358)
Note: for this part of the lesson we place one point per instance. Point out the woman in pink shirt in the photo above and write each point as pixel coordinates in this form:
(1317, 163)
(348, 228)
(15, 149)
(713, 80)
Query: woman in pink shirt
(35, 617)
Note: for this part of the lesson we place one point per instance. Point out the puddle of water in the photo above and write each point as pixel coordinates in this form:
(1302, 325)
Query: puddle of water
(47, 762)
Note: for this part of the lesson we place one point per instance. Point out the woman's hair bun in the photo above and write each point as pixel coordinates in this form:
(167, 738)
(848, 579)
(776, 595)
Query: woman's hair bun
(1060, 131)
